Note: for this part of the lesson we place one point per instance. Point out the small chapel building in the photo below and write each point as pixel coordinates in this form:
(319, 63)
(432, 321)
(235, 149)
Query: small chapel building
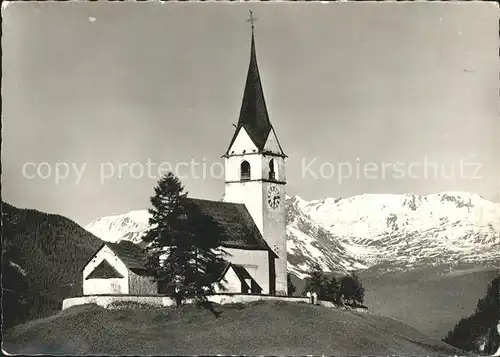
(117, 268)
(252, 213)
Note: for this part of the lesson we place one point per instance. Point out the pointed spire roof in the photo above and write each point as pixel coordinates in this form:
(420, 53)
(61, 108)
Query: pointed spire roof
(253, 113)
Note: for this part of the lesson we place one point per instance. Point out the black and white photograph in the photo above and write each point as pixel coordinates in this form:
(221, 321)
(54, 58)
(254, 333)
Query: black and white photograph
(250, 178)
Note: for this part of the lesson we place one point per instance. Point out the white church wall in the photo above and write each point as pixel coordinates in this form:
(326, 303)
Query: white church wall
(250, 194)
(244, 298)
(242, 144)
(274, 232)
(232, 166)
(105, 286)
(272, 143)
(106, 301)
(141, 285)
(255, 262)
(279, 162)
(232, 283)
(165, 301)
(279, 168)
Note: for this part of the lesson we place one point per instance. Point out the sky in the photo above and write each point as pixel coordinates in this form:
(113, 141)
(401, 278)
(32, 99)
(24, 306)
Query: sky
(364, 98)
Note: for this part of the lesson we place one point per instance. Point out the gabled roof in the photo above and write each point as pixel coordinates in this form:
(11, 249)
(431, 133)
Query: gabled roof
(243, 274)
(253, 113)
(239, 229)
(221, 270)
(131, 255)
(104, 271)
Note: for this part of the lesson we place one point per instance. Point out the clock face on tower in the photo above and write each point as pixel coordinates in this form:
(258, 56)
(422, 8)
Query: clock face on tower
(273, 197)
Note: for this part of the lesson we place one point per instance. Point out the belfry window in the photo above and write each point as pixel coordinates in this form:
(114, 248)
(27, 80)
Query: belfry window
(245, 171)
(272, 173)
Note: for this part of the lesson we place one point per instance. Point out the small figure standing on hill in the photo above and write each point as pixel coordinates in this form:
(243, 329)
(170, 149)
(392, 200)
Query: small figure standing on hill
(314, 298)
(310, 297)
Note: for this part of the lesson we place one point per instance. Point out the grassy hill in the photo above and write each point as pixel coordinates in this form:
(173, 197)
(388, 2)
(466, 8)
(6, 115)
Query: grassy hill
(42, 258)
(268, 328)
(431, 300)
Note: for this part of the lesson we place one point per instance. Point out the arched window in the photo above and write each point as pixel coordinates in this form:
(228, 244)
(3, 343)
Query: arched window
(245, 171)
(272, 174)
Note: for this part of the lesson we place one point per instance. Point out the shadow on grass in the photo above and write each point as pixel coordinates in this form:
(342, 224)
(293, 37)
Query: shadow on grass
(209, 306)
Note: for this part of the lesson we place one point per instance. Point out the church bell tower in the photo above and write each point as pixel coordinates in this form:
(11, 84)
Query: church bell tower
(255, 169)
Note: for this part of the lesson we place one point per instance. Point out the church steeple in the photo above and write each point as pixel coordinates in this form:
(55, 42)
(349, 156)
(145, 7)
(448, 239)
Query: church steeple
(255, 174)
(253, 113)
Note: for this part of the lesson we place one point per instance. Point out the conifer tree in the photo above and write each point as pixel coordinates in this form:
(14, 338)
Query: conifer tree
(351, 289)
(359, 293)
(316, 281)
(208, 253)
(14, 285)
(183, 252)
(332, 290)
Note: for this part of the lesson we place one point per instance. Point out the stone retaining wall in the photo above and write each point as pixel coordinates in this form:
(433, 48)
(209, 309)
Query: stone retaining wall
(107, 301)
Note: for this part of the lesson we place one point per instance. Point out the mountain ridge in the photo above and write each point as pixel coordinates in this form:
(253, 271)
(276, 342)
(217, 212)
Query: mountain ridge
(388, 231)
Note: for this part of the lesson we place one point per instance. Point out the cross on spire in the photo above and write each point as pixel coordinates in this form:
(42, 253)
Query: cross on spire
(252, 20)
(253, 119)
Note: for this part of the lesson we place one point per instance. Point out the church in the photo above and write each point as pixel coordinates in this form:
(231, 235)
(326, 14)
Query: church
(252, 213)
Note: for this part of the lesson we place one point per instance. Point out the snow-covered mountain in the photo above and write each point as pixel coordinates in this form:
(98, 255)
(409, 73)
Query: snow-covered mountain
(410, 230)
(382, 231)
(129, 226)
